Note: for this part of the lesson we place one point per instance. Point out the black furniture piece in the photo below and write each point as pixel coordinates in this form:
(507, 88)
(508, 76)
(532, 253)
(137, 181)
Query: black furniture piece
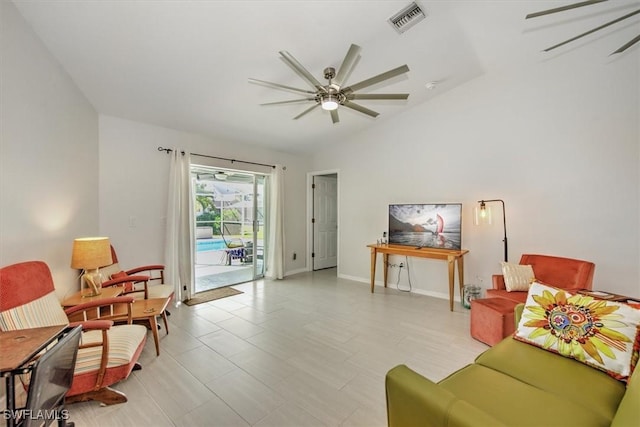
(51, 377)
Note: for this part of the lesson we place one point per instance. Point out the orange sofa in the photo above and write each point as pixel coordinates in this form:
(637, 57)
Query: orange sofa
(566, 273)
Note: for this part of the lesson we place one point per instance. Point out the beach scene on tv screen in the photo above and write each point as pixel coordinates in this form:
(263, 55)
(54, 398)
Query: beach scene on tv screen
(426, 225)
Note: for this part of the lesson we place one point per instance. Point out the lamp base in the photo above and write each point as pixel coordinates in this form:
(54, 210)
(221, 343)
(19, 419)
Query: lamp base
(91, 283)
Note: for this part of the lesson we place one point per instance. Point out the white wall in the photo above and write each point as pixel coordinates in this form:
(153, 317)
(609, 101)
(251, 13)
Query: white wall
(55, 174)
(48, 155)
(557, 140)
(134, 179)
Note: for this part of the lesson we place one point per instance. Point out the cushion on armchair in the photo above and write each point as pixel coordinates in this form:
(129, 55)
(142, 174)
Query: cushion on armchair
(123, 344)
(128, 286)
(43, 311)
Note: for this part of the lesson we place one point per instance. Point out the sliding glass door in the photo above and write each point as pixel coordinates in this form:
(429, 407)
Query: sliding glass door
(229, 226)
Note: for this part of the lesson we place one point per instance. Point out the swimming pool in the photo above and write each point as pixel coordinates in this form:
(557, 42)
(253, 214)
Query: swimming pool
(210, 245)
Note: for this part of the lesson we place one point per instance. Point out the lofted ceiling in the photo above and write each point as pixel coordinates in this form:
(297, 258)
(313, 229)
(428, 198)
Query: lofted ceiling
(185, 64)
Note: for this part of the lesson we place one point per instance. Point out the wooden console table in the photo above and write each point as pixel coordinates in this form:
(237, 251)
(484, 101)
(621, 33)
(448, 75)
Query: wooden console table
(451, 256)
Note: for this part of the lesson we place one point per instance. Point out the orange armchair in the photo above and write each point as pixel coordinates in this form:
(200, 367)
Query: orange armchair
(107, 353)
(147, 279)
(567, 273)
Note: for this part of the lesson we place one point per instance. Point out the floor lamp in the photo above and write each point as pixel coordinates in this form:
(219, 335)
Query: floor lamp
(483, 216)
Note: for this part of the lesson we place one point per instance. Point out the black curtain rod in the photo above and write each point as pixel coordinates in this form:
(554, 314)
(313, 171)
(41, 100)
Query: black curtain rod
(169, 150)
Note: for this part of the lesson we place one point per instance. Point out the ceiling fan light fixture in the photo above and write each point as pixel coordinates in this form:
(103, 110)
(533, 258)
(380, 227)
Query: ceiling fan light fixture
(336, 94)
(329, 102)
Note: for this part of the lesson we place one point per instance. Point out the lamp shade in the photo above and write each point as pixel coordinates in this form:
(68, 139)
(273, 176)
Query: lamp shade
(483, 215)
(90, 253)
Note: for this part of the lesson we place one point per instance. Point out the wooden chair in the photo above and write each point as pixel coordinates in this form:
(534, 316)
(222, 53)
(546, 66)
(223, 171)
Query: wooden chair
(146, 279)
(107, 353)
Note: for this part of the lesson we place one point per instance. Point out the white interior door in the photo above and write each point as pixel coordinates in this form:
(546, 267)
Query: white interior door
(325, 221)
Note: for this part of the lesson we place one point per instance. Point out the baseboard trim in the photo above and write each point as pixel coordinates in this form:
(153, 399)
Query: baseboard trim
(292, 272)
(415, 290)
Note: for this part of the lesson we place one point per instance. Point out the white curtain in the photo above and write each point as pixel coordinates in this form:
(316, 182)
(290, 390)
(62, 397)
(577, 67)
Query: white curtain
(180, 233)
(275, 253)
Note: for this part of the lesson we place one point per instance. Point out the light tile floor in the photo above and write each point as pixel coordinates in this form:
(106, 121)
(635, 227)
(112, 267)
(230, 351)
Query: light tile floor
(309, 350)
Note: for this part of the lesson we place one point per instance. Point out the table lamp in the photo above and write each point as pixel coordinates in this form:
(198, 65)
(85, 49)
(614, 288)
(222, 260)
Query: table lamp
(89, 254)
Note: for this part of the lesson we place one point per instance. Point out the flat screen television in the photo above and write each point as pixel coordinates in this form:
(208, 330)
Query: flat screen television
(437, 226)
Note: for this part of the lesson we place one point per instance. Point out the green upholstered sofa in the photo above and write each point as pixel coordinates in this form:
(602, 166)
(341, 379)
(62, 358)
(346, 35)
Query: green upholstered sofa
(514, 384)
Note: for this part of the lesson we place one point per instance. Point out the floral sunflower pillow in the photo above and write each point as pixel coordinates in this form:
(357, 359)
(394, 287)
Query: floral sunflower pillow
(596, 332)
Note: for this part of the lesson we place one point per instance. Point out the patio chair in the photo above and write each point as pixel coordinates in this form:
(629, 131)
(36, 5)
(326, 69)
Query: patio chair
(107, 353)
(235, 248)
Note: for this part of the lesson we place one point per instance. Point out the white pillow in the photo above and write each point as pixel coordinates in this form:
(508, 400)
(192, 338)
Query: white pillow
(517, 277)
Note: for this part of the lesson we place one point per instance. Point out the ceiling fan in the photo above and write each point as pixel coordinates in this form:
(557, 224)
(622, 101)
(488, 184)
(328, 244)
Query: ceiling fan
(598, 28)
(334, 94)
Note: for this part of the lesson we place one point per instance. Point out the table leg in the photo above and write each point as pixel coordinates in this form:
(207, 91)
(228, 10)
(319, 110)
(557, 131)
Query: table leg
(460, 274)
(154, 330)
(451, 261)
(166, 325)
(386, 268)
(11, 404)
(373, 267)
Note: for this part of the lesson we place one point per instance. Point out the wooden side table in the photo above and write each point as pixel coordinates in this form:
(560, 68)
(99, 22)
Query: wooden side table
(147, 310)
(142, 310)
(77, 298)
(609, 296)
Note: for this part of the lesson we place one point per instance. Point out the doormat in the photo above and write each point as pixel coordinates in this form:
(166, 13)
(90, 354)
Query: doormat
(211, 295)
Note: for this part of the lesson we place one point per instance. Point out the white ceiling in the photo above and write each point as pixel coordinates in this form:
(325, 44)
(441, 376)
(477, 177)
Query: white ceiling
(185, 64)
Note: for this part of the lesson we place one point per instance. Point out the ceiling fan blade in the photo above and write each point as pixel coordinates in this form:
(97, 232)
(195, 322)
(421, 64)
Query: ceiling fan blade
(622, 18)
(360, 108)
(306, 111)
(347, 64)
(377, 79)
(628, 45)
(293, 62)
(334, 116)
(292, 101)
(378, 96)
(563, 8)
(278, 86)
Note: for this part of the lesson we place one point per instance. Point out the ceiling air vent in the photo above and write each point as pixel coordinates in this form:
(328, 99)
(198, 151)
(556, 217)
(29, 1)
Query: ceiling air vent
(407, 18)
